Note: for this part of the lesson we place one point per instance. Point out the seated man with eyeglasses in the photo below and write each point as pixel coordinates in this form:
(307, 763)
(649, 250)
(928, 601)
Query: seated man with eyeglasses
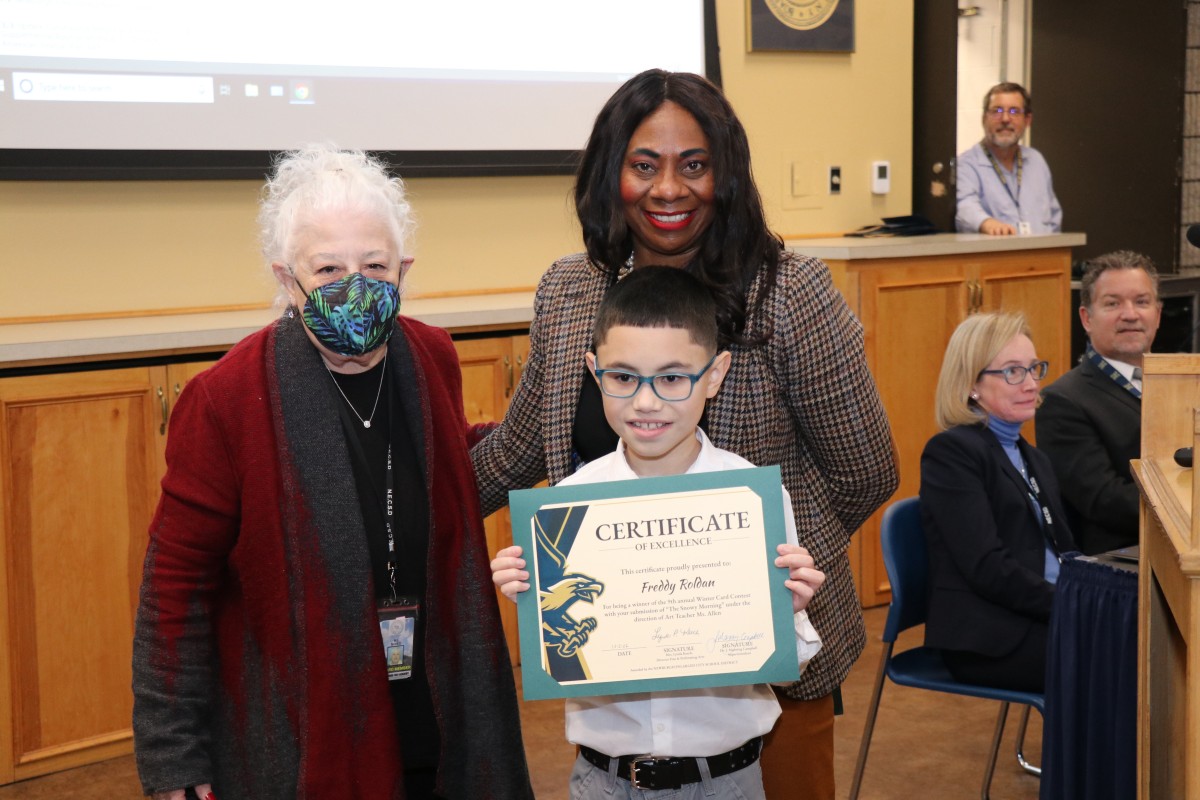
(1005, 189)
(656, 359)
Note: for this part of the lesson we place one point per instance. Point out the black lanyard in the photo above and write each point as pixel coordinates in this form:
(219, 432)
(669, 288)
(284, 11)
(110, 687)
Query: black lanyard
(389, 484)
(1035, 494)
(389, 488)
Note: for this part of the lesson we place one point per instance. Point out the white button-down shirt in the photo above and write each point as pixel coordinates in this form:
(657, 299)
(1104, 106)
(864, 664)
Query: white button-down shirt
(692, 722)
(1126, 371)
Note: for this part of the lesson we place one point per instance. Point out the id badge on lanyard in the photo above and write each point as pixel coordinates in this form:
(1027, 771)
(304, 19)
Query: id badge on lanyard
(398, 627)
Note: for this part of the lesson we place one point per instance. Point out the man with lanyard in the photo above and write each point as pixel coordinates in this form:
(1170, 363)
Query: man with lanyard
(1003, 188)
(1089, 423)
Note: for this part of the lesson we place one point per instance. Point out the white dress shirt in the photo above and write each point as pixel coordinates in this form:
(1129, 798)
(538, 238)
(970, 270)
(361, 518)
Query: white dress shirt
(691, 722)
(1126, 371)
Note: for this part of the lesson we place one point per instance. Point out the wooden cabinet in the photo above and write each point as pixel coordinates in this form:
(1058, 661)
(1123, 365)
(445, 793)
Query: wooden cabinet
(80, 464)
(909, 306)
(491, 367)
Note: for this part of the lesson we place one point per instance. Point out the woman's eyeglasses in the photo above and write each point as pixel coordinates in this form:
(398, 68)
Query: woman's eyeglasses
(669, 386)
(1016, 375)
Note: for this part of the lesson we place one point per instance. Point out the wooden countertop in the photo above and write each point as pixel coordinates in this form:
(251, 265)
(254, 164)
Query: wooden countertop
(849, 248)
(91, 340)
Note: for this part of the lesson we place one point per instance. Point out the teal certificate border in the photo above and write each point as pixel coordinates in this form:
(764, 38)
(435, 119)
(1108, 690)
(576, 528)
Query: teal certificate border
(766, 482)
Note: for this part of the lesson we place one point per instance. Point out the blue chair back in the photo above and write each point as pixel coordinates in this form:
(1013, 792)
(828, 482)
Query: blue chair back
(907, 562)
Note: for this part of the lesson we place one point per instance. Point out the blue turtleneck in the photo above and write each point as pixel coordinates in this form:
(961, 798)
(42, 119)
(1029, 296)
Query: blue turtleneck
(1008, 433)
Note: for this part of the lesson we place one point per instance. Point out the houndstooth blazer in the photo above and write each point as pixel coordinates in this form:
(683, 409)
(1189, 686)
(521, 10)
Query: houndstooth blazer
(804, 401)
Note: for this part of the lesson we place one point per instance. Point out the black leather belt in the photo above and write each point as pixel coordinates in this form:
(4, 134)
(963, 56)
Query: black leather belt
(655, 772)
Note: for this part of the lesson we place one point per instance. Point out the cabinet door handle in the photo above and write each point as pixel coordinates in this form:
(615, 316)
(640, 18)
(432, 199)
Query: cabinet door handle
(162, 401)
(976, 296)
(508, 372)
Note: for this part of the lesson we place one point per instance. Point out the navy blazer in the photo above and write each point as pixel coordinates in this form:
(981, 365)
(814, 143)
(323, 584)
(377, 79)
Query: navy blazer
(1091, 427)
(986, 544)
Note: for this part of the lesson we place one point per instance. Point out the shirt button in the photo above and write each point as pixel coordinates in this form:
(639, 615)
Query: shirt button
(659, 728)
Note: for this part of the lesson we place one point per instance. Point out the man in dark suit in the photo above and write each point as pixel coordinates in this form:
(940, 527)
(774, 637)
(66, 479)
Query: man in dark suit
(1090, 419)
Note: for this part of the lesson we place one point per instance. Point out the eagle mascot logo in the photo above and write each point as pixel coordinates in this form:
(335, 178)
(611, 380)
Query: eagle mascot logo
(559, 589)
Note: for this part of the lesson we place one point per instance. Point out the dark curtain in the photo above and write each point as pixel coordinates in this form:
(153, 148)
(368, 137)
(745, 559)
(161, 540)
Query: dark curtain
(1089, 741)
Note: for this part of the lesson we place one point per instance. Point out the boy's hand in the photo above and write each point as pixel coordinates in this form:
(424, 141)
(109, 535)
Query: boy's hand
(803, 576)
(508, 572)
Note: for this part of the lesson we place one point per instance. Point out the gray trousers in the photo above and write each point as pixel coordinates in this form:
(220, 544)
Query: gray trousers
(588, 782)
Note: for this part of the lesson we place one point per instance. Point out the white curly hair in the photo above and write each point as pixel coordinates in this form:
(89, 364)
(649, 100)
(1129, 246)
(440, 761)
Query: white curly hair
(320, 178)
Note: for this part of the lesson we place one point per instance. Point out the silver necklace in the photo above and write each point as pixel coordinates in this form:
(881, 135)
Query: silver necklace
(626, 268)
(366, 423)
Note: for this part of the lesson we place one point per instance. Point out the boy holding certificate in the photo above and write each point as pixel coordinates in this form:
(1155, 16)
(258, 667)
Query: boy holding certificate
(655, 358)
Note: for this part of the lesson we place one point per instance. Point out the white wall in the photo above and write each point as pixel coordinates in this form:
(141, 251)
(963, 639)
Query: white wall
(991, 49)
(113, 248)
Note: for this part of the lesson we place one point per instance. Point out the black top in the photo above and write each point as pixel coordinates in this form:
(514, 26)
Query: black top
(410, 521)
(591, 434)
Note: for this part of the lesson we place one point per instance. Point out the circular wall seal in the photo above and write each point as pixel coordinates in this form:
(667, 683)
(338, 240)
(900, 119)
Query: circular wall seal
(803, 15)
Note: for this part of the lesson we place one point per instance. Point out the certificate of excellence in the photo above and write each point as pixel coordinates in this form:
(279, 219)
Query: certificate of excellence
(654, 584)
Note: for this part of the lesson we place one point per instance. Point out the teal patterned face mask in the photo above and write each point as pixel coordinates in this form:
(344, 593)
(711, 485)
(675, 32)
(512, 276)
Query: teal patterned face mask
(353, 315)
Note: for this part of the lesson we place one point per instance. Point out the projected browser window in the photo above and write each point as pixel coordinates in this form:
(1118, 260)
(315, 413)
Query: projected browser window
(268, 75)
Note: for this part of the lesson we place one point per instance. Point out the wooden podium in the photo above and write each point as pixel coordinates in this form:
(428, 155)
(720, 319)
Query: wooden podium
(1169, 581)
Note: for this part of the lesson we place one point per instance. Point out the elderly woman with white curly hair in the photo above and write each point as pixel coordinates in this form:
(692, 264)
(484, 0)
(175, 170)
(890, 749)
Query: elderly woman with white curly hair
(313, 620)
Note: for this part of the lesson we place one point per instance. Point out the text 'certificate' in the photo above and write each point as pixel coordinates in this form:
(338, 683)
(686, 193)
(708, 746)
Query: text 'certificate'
(654, 584)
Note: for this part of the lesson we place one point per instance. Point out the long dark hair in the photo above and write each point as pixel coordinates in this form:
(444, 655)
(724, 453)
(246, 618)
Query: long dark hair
(737, 244)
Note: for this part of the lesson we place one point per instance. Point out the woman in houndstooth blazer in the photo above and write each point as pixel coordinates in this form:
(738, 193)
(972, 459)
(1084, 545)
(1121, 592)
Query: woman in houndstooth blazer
(665, 179)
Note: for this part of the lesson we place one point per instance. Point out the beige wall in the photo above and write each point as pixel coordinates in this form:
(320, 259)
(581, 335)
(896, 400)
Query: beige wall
(79, 248)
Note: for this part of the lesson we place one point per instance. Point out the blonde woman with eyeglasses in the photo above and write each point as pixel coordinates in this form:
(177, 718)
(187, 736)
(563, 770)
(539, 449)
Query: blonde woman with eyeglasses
(991, 509)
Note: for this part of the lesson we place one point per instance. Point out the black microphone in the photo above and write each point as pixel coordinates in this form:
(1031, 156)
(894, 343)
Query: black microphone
(1183, 457)
(1193, 235)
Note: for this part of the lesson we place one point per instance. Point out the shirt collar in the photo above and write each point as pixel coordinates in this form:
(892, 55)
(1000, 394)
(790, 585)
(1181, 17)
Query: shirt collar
(1126, 370)
(705, 455)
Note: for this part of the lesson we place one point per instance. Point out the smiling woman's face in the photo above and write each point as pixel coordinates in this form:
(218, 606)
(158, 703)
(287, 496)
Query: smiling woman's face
(1002, 399)
(667, 187)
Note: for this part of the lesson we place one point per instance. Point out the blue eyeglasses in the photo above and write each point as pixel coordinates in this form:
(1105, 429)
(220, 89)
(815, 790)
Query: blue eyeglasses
(1000, 111)
(669, 386)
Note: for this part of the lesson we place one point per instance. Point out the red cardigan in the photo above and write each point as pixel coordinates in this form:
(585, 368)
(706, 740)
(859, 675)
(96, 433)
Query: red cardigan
(257, 657)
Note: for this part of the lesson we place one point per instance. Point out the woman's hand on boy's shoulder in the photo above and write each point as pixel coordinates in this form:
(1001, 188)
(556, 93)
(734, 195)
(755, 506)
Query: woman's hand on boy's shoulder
(803, 576)
(508, 572)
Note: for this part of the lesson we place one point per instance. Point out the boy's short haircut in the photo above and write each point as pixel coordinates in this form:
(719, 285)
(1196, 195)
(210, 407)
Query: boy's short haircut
(659, 297)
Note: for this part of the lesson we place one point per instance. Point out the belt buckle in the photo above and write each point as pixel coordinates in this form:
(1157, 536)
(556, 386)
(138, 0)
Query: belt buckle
(633, 769)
